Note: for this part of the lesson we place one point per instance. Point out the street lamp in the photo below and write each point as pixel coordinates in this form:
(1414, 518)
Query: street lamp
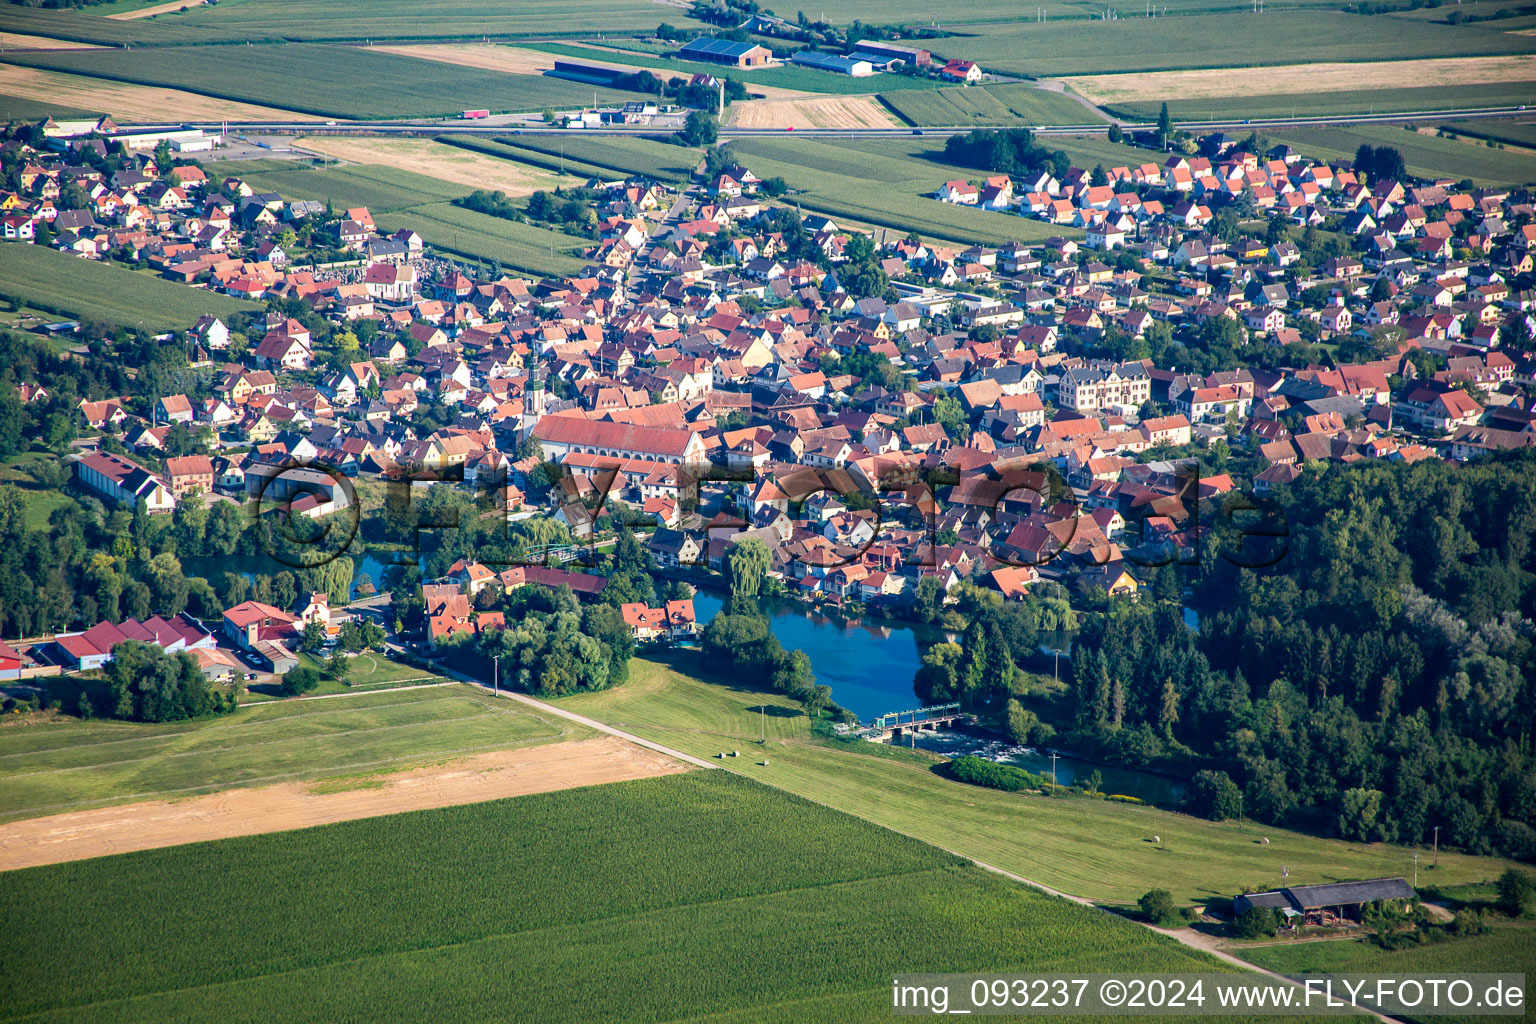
(1054, 756)
(496, 675)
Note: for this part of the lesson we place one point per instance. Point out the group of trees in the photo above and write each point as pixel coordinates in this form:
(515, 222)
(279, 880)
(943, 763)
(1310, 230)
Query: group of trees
(743, 646)
(1011, 151)
(1380, 162)
(142, 683)
(1376, 683)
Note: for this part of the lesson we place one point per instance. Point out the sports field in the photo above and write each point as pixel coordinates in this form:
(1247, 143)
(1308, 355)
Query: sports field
(332, 81)
(69, 286)
(699, 897)
(70, 765)
(1099, 850)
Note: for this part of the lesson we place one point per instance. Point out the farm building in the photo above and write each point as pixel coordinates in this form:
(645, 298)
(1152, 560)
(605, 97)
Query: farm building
(1334, 903)
(710, 50)
(123, 482)
(910, 55)
(857, 68)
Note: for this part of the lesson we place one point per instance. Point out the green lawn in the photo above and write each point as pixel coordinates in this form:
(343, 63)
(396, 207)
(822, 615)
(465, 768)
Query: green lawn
(1098, 850)
(1425, 155)
(331, 81)
(1361, 101)
(697, 897)
(1064, 47)
(401, 199)
(1007, 104)
(785, 77)
(70, 765)
(48, 279)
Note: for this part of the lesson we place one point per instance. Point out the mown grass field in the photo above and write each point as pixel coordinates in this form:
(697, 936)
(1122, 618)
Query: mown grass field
(48, 279)
(1061, 47)
(535, 158)
(402, 199)
(1098, 850)
(70, 765)
(786, 77)
(446, 19)
(1506, 949)
(699, 896)
(1360, 101)
(1426, 155)
(1007, 104)
(328, 81)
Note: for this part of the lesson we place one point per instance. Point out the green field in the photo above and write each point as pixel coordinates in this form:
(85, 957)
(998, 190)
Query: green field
(48, 279)
(330, 81)
(24, 108)
(622, 154)
(1360, 101)
(70, 765)
(1102, 851)
(786, 77)
(561, 163)
(1013, 103)
(1513, 132)
(698, 897)
(447, 19)
(400, 199)
(1506, 949)
(839, 179)
(1216, 40)
(89, 28)
(1425, 155)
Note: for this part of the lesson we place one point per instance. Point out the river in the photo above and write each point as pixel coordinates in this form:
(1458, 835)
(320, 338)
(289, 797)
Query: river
(870, 663)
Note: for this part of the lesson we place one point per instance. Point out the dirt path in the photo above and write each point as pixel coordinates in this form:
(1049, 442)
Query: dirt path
(1284, 79)
(243, 812)
(144, 12)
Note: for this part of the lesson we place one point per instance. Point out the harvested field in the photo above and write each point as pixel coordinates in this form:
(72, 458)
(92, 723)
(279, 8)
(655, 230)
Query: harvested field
(17, 41)
(145, 12)
(131, 102)
(485, 56)
(437, 160)
(1305, 78)
(821, 112)
(243, 812)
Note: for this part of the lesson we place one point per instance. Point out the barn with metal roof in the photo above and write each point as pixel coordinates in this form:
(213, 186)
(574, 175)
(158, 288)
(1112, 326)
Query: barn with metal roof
(726, 51)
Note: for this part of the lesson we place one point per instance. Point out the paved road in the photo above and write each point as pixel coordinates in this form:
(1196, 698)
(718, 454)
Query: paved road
(1096, 127)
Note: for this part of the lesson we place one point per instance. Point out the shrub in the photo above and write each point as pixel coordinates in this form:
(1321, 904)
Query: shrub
(978, 771)
(300, 680)
(1213, 795)
(1158, 907)
(1255, 923)
(1517, 893)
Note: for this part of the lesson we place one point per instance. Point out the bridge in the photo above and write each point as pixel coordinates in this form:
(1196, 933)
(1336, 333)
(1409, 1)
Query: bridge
(903, 723)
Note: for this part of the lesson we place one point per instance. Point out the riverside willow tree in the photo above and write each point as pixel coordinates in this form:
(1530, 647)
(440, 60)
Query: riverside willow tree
(746, 565)
(1377, 682)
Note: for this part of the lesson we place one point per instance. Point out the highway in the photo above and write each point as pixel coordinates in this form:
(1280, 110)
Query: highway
(439, 127)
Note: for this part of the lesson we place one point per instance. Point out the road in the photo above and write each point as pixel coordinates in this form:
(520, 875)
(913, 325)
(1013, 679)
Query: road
(433, 127)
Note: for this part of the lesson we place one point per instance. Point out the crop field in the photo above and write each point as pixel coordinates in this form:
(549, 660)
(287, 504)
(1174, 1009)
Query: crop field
(1425, 155)
(338, 81)
(128, 102)
(88, 28)
(1515, 133)
(699, 896)
(961, 19)
(51, 280)
(447, 19)
(70, 765)
(380, 188)
(30, 108)
(1098, 850)
(625, 155)
(1349, 101)
(435, 160)
(812, 112)
(1216, 40)
(786, 77)
(560, 164)
(1008, 104)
